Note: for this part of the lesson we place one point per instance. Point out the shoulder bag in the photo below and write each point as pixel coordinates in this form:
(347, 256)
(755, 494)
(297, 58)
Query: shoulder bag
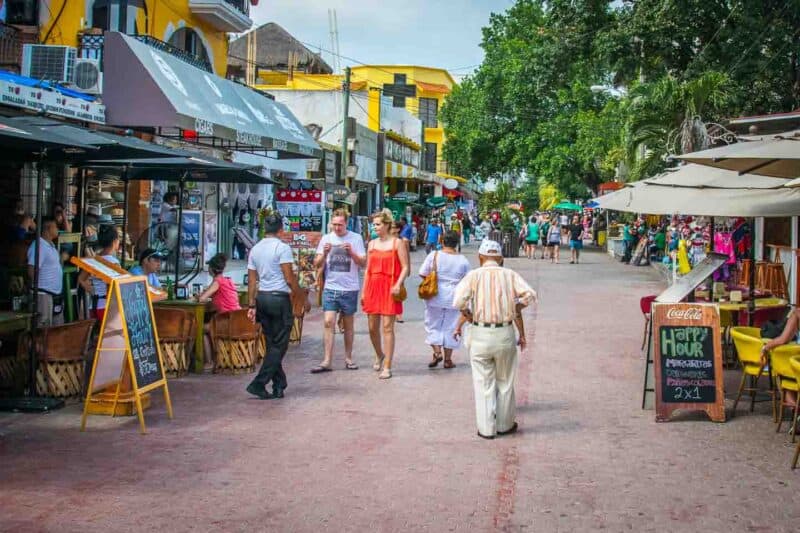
(403, 292)
(430, 284)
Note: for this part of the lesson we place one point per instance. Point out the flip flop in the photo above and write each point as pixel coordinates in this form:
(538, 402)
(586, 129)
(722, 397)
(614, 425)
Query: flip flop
(349, 365)
(449, 364)
(319, 369)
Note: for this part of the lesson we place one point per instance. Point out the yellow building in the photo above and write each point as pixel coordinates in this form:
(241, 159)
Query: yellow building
(433, 85)
(199, 27)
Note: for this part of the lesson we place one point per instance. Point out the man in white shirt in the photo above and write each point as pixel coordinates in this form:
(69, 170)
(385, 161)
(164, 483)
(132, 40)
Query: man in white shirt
(50, 301)
(342, 253)
(271, 280)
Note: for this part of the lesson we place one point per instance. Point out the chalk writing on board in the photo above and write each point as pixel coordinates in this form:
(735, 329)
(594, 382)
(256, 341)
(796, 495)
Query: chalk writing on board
(687, 364)
(141, 334)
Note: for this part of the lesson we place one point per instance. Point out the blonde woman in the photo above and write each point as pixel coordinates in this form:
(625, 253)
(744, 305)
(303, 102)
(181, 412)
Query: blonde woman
(387, 269)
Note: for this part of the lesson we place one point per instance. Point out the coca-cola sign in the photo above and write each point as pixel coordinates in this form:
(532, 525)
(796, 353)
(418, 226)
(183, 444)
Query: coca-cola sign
(687, 313)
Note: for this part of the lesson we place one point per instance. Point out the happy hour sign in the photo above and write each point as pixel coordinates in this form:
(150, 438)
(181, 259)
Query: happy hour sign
(688, 360)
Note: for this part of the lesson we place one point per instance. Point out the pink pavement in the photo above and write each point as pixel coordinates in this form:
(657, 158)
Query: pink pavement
(347, 452)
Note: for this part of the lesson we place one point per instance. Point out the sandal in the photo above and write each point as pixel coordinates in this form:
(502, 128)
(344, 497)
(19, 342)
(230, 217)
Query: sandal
(350, 365)
(385, 374)
(378, 364)
(319, 369)
(449, 364)
(436, 360)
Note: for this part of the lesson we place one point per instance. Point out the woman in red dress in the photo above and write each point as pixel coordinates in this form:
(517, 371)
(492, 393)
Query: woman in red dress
(387, 268)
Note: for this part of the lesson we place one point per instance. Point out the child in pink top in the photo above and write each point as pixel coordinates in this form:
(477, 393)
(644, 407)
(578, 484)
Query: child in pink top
(222, 292)
(223, 295)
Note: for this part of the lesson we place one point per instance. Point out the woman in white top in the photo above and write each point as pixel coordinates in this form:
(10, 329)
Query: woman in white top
(440, 315)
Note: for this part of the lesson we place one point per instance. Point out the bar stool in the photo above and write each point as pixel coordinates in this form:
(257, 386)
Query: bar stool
(776, 280)
(744, 273)
(761, 275)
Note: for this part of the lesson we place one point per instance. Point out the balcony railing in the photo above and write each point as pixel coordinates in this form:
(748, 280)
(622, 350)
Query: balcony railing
(241, 5)
(183, 55)
(10, 48)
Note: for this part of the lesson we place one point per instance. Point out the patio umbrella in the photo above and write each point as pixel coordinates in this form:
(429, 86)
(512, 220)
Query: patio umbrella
(436, 201)
(568, 206)
(777, 156)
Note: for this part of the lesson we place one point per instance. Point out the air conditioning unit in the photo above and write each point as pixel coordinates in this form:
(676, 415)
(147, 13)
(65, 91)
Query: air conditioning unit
(88, 77)
(48, 62)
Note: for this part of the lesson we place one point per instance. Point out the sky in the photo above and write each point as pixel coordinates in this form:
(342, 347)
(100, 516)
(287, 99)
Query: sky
(436, 33)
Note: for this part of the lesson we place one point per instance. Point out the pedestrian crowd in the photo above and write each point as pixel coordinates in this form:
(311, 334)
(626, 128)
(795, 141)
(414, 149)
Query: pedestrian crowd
(488, 299)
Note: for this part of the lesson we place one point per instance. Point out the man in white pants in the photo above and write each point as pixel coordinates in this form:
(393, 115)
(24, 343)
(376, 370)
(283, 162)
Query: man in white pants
(491, 298)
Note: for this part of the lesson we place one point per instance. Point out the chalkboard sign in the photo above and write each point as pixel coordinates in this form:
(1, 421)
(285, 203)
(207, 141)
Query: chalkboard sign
(141, 332)
(688, 360)
(687, 364)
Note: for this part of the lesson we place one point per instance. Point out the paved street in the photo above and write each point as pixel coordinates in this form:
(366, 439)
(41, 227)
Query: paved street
(347, 452)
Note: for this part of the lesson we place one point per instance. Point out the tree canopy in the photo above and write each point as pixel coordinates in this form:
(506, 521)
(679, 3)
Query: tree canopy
(573, 92)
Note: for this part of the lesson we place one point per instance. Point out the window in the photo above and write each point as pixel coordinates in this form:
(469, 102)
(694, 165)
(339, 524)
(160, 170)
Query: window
(116, 15)
(189, 41)
(428, 112)
(429, 163)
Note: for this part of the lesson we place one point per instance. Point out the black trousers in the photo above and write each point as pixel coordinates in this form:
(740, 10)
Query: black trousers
(274, 313)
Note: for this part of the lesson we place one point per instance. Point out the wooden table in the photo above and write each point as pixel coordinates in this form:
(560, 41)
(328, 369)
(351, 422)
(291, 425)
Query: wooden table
(761, 303)
(200, 311)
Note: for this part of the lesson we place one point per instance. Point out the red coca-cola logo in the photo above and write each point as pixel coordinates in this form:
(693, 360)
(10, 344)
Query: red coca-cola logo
(689, 313)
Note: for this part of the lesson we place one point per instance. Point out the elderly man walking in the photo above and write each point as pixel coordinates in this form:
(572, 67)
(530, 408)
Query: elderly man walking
(491, 298)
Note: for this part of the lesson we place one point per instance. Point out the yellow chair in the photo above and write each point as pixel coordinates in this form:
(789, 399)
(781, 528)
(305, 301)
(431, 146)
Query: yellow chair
(786, 379)
(725, 325)
(794, 362)
(748, 345)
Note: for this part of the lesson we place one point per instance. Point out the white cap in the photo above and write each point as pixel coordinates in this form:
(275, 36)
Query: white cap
(490, 248)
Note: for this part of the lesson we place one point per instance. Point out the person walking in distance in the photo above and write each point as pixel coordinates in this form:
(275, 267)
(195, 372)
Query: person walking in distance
(531, 237)
(554, 240)
(433, 235)
(387, 269)
(271, 281)
(467, 223)
(341, 253)
(576, 232)
(491, 298)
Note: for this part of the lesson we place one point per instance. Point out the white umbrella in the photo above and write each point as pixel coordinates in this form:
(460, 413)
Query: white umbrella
(697, 190)
(777, 156)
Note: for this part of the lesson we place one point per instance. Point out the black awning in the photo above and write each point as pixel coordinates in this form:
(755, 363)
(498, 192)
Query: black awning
(194, 168)
(23, 142)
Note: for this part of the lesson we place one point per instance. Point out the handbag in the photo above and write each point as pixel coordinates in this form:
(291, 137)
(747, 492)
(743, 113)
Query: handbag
(403, 292)
(430, 283)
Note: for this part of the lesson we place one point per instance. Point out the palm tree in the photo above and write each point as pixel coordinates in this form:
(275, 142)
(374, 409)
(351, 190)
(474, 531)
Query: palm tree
(667, 117)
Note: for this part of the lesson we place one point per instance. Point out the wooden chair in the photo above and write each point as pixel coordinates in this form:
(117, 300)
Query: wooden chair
(62, 352)
(299, 312)
(761, 275)
(235, 340)
(744, 273)
(174, 328)
(776, 280)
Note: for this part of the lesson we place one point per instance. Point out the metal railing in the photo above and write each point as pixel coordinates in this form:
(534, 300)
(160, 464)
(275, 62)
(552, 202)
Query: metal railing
(241, 5)
(10, 48)
(183, 55)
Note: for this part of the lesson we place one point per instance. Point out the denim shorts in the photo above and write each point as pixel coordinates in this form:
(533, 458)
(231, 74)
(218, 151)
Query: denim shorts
(576, 245)
(345, 302)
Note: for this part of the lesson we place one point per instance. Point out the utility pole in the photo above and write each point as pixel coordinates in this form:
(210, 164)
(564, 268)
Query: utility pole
(346, 102)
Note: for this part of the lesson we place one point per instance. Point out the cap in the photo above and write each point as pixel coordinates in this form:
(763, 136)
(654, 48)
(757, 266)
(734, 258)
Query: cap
(490, 248)
(147, 253)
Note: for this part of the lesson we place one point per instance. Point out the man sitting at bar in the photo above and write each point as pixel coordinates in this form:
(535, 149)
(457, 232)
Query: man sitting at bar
(149, 265)
(50, 301)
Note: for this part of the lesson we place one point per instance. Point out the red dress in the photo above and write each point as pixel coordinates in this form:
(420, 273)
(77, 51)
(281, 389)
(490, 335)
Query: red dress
(383, 271)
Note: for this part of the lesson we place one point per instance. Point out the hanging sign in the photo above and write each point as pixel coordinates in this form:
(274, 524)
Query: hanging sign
(51, 102)
(688, 360)
(127, 345)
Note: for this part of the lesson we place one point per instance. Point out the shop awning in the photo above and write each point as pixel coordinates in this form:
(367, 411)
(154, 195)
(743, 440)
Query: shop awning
(23, 142)
(145, 87)
(202, 169)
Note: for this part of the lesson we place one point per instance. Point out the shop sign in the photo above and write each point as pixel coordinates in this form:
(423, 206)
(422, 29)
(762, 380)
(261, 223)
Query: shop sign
(51, 102)
(330, 167)
(301, 210)
(244, 137)
(204, 127)
(340, 193)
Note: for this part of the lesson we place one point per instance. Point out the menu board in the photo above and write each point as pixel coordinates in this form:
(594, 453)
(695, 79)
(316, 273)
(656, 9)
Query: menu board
(304, 247)
(301, 209)
(141, 333)
(688, 360)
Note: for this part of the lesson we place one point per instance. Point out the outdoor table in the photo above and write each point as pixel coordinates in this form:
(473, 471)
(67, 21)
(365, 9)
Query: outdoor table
(200, 310)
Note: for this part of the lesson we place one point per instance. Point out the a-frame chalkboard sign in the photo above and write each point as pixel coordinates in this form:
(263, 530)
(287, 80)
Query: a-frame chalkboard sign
(128, 341)
(687, 360)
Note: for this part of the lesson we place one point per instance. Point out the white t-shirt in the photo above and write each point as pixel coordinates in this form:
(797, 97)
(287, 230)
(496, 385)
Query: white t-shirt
(563, 220)
(341, 272)
(51, 277)
(266, 259)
